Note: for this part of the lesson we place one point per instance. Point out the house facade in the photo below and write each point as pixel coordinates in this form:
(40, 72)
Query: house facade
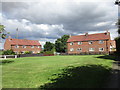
(22, 45)
(90, 43)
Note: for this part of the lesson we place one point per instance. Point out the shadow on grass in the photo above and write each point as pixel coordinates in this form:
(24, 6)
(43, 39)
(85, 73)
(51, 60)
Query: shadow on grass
(111, 57)
(5, 61)
(89, 76)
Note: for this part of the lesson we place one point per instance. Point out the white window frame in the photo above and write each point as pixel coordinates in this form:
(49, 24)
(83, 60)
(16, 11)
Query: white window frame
(79, 43)
(79, 49)
(32, 46)
(71, 43)
(91, 49)
(38, 46)
(71, 49)
(90, 42)
(24, 46)
(100, 49)
(101, 42)
(16, 46)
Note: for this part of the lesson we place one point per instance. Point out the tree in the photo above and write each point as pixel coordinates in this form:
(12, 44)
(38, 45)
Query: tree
(2, 32)
(48, 46)
(61, 44)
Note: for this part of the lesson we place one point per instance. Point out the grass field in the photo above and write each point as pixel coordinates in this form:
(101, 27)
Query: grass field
(87, 71)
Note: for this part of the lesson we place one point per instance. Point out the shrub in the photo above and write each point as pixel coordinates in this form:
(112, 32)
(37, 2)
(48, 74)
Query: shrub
(8, 52)
(28, 52)
(48, 52)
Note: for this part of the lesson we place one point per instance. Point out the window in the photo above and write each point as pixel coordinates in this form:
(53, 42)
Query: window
(72, 49)
(32, 46)
(16, 46)
(79, 43)
(101, 42)
(24, 46)
(91, 49)
(38, 46)
(71, 43)
(79, 49)
(90, 42)
(101, 49)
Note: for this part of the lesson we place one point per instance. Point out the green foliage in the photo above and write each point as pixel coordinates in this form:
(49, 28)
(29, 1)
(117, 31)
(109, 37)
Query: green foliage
(28, 52)
(118, 44)
(2, 32)
(8, 52)
(61, 44)
(48, 52)
(48, 46)
(2, 28)
(42, 52)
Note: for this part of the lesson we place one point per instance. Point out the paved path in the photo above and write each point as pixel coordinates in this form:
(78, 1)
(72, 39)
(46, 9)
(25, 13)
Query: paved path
(114, 79)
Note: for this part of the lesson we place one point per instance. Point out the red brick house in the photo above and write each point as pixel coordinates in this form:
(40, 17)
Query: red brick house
(22, 45)
(90, 43)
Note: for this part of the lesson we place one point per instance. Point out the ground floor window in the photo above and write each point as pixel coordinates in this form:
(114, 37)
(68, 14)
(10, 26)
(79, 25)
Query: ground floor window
(72, 49)
(91, 49)
(101, 49)
(79, 49)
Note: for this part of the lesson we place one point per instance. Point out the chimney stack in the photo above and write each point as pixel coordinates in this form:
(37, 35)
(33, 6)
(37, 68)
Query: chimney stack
(107, 33)
(86, 34)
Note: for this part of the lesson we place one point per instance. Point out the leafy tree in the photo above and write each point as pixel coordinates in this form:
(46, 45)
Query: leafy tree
(2, 32)
(61, 44)
(48, 46)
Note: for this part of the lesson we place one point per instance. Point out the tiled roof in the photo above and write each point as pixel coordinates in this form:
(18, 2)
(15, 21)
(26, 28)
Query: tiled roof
(90, 37)
(22, 42)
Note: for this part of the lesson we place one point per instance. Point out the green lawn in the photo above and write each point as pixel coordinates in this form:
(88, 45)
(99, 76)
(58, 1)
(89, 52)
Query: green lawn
(56, 71)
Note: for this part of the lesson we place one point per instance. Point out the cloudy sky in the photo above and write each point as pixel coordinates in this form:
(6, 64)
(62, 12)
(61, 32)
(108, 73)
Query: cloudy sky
(47, 20)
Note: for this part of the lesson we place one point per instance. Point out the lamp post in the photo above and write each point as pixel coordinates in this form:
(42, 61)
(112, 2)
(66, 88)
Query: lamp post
(117, 2)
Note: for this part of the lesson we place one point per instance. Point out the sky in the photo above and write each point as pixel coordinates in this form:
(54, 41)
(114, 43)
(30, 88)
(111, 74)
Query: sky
(47, 20)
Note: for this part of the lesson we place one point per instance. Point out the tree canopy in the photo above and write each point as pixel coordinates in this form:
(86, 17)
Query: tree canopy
(48, 46)
(61, 44)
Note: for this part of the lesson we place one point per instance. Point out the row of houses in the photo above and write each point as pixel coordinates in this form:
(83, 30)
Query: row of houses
(99, 42)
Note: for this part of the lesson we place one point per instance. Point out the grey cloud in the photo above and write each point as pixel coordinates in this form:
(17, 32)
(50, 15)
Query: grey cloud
(75, 18)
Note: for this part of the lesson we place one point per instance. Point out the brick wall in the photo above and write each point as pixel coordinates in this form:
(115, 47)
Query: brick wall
(28, 48)
(8, 46)
(85, 46)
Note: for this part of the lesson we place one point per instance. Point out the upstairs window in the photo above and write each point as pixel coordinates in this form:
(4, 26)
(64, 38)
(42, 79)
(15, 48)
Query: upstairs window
(72, 49)
(91, 49)
(16, 46)
(24, 46)
(101, 42)
(90, 42)
(71, 43)
(79, 43)
(32, 46)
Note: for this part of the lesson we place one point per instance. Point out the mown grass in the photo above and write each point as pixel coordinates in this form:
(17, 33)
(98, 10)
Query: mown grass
(56, 71)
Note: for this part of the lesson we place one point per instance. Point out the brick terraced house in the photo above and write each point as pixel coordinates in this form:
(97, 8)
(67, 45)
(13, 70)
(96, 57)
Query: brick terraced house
(90, 43)
(22, 45)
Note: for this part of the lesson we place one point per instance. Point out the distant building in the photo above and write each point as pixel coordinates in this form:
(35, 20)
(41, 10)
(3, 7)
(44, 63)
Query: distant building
(99, 42)
(22, 45)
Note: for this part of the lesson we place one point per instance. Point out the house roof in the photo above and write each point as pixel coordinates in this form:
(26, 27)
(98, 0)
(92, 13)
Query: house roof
(90, 37)
(22, 42)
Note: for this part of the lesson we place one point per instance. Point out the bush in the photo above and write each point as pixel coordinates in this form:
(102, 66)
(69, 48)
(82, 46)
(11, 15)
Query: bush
(48, 52)
(28, 52)
(118, 44)
(8, 52)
